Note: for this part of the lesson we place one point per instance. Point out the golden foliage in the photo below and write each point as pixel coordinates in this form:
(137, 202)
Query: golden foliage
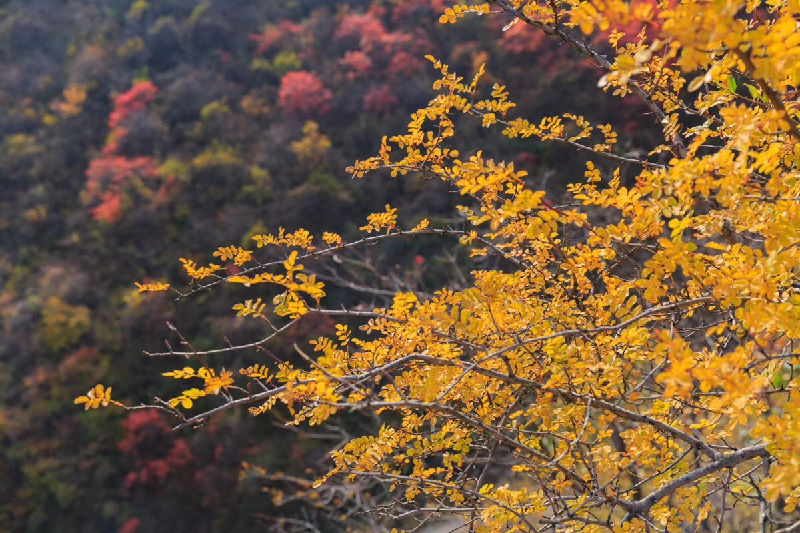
(152, 287)
(313, 147)
(630, 366)
(73, 99)
(97, 396)
(379, 221)
(332, 239)
(239, 255)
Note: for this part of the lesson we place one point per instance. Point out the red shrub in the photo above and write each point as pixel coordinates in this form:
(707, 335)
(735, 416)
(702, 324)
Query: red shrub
(152, 450)
(272, 35)
(110, 172)
(407, 8)
(366, 27)
(382, 53)
(380, 100)
(521, 38)
(106, 180)
(131, 525)
(303, 93)
(109, 179)
(134, 99)
(643, 15)
(403, 64)
(358, 62)
(109, 210)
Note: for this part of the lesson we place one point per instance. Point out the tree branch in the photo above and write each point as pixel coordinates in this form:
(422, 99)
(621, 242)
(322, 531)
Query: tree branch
(726, 461)
(572, 42)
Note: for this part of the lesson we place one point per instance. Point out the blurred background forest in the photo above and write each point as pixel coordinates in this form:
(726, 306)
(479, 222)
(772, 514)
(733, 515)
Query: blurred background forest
(133, 133)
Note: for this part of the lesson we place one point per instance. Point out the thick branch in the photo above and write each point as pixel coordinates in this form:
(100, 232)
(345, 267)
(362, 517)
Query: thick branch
(401, 362)
(726, 461)
(577, 398)
(794, 528)
(602, 329)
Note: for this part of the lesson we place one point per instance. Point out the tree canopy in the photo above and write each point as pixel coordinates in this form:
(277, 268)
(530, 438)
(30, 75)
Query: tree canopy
(620, 360)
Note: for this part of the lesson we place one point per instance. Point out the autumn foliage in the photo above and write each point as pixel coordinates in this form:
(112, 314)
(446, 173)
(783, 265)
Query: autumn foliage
(112, 179)
(621, 359)
(273, 34)
(303, 93)
(135, 132)
(131, 101)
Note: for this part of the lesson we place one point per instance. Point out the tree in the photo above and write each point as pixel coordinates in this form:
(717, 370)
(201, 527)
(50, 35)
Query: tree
(629, 365)
(111, 173)
(302, 92)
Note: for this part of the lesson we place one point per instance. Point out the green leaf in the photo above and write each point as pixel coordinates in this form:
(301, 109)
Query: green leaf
(778, 380)
(755, 94)
(731, 84)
